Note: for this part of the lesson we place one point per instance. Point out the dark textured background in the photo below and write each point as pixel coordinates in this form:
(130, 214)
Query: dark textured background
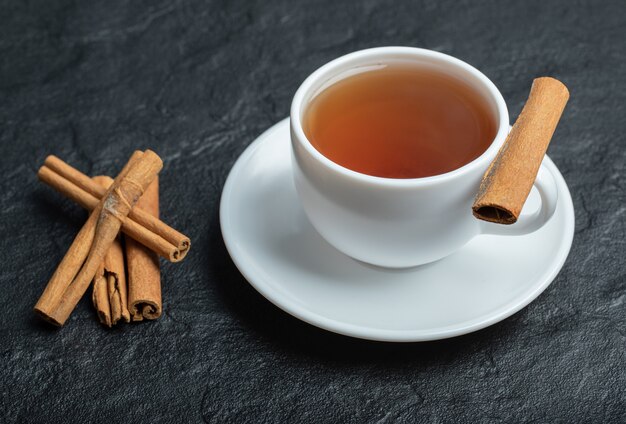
(197, 82)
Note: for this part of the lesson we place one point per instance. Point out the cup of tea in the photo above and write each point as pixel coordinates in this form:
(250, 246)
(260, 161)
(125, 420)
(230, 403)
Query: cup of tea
(389, 148)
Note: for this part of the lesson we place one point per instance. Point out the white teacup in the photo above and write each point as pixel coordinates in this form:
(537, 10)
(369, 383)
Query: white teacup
(401, 222)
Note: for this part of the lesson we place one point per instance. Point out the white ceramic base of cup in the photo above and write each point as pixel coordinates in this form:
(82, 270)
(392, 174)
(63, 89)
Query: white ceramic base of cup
(282, 256)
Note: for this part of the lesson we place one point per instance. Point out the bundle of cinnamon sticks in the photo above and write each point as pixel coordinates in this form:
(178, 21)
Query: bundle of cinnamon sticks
(124, 270)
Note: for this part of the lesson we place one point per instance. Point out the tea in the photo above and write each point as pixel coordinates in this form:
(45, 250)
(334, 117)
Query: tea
(400, 121)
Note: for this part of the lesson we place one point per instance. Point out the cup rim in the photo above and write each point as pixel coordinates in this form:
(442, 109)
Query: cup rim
(325, 72)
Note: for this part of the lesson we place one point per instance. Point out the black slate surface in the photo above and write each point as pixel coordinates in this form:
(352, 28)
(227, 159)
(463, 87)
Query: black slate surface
(197, 82)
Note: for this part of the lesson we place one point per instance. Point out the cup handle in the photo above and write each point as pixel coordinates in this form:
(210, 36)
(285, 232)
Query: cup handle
(548, 191)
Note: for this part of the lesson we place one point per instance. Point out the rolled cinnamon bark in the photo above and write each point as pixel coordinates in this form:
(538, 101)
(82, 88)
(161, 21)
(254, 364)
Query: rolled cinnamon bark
(78, 267)
(148, 230)
(109, 295)
(510, 177)
(144, 275)
(74, 258)
(100, 297)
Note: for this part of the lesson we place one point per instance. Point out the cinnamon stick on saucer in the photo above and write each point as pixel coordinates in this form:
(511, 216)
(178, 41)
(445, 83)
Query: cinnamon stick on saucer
(510, 177)
(109, 295)
(144, 275)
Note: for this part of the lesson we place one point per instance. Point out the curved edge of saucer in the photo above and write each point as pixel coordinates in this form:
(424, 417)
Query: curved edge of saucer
(376, 334)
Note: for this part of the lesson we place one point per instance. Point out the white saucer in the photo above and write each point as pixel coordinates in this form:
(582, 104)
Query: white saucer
(282, 256)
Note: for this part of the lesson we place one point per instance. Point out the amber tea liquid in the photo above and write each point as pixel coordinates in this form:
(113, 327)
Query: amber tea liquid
(400, 121)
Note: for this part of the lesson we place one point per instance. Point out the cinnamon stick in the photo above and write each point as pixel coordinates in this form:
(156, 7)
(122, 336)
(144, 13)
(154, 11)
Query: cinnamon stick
(510, 177)
(146, 229)
(144, 275)
(100, 297)
(78, 267)
(74, 258)
(109, 294)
